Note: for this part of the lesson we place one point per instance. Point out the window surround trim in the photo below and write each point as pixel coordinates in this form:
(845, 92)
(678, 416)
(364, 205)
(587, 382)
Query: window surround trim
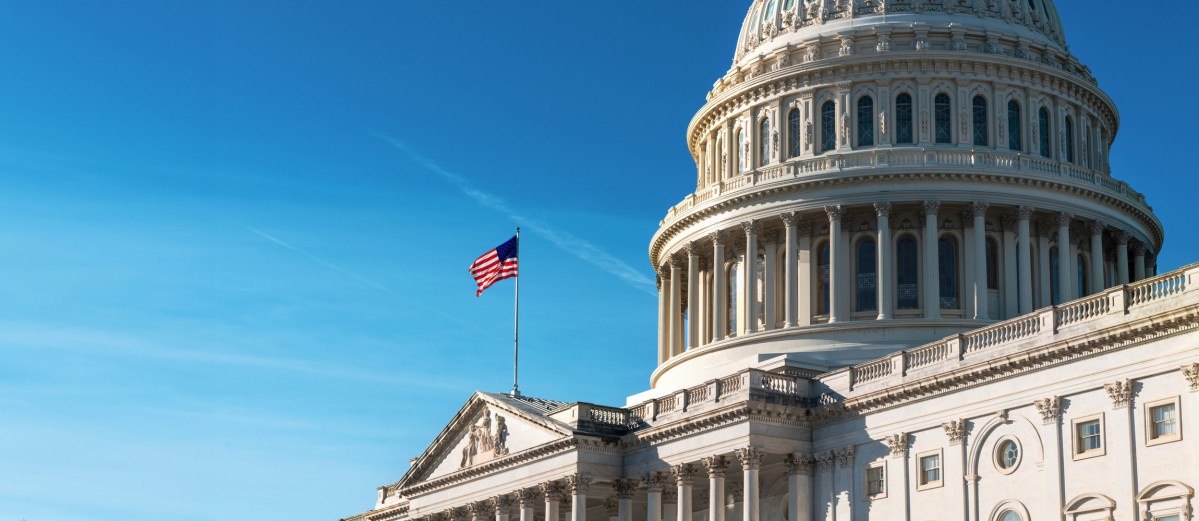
(1169, 438)
(1093, 453)
(920, 484)
(996, 455)
(882, 464)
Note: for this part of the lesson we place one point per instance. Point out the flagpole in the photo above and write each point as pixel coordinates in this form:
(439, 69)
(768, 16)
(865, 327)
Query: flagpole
(516, 330)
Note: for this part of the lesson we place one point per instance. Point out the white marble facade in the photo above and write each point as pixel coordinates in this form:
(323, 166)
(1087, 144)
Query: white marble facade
(952, 310)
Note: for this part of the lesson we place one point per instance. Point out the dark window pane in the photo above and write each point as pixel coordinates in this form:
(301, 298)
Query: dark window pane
(1054, 276)
(947, 268)
(1083, 289)
(822, 288)
(980, 121)
(794, 127)
(865, 283)
(828, 126)
(1069, 139)
(907, 274)
(1015, 138)
(992, 265)
(865, 121)
(903, 119)
(764, 142)
(942, 119)
(1043, 127)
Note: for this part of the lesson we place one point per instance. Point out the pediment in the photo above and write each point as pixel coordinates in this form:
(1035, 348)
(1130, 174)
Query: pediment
(488, 428)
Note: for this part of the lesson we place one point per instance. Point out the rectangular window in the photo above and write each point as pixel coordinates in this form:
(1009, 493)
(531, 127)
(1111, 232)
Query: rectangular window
(1166, 518)
(1162, 421)
(876, 480)
(930, 470)
(1088, 437)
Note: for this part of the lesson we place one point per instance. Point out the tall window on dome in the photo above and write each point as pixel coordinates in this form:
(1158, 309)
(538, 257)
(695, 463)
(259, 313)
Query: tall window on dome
(1054, 275)
(742, 162)
(734, 286)
(980, 121)
(865, 121)
(1069, 139)
(768, 14)
(822, 276)
(720, 166)
(907, 273)
(947, 272)
(828, 126)
(903, 119)
(992, 265)
(943, 126)
(1081, 277)
(1014, 127)
(764, 142)
(788, 5)
(865, 278)
(1043, 128)
(794, 130)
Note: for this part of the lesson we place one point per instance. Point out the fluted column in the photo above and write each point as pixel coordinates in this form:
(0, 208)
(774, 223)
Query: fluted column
(578, 484)
(980, 261)
(716, 466)
(1121, 257)
(663, 315)
(751, 276)
(1097, 256)
(692, 294)
(1138, 260)
(790, 282)
(1024, 258)
(720, 289)
(552, 492)
(676, 311)
(751, 463)
(527, 501)
(799, 486)
(770, 262)
(834, 262)
(624, 489)
(1065, 274)
(653, 498)
(932, 286)
(882, 275)
(684, 476)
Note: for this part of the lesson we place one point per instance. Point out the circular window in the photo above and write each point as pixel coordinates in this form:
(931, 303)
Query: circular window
(1007, 455)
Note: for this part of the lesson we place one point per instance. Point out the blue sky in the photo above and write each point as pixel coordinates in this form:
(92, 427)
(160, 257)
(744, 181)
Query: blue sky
(234, 235)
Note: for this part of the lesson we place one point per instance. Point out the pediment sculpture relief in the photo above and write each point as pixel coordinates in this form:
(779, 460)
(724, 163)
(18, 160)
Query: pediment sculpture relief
(484, 441)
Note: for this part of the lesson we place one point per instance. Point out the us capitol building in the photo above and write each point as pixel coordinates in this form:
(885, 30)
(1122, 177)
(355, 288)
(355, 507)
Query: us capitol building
(905, 287)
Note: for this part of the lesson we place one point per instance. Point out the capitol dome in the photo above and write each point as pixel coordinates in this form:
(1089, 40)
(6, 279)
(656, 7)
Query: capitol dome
(899, 171)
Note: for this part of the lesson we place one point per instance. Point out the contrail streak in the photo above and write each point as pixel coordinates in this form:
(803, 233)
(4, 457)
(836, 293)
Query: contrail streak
(564, 240)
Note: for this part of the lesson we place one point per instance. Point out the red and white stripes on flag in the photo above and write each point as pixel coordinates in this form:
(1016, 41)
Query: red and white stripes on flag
(495, 265)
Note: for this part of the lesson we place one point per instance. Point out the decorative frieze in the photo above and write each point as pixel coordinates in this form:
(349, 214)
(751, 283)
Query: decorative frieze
(898, 444)
(1120, 392)
(1050, 409)
(955, 430)
(1191, 373)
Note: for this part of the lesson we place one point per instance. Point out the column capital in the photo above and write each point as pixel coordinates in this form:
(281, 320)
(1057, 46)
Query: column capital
(1120, 392)
(789, 219)
(931, 207)
(1050, 409)
(716, 465)
(798, 463)
(653, 481)
(716, 238)
(1024, 212)
(898, 443)
(664, 272)
(691, 248)
(1138, 248)
(683, 473)
(669, 495)
(845, 457)
(834, 212)
(625, 487)
(1191, 373)
(526, 497)
(1064, 219)
(502, 503)
(751, 457)
(551, 491)
(750, 227)
(578, 483)
(979, 209)
(1097, 227)
(1121, 237)
(955, 430)
(824, 460)
(882, 208)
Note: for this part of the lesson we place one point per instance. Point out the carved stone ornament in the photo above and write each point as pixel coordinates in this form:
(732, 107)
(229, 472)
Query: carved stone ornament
(552, 491)
(502, 504)
(898, 444)
(654, 481)
(1191, 373)
(834, 213)
(750, 227)
(751, 457)
(485, 441)
(799, 463)
(1064, 219)
(882, 209)
(684, 474)
(1120, 392)
(845, 457)
(955, 430)
(824, 460)
(1024, 212)
(979, 209)
(670, 495)
(526, 497)
(625, 488)
(1050, 409)
(789, 219)
(612, 506)
(931, 207)
(882, 123)
(578, 483)
(716, 465)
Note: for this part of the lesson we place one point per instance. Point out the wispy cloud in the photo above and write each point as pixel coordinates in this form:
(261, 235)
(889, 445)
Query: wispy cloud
(564, 240)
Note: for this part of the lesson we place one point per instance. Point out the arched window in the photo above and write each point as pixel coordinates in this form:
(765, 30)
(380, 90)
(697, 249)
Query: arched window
(794, 130)
(865, 280)
(788, 5)
(734, 286)
(943, 127)
(764, 142)
(980, 121)
(903, 119)
(992, 265)
(1014, 138)
(1082, 278)
(822, 276)
(742, 164)
(1010, 515)
(865, 121)
(1069, 139)
(1054, 276)
(907, 273)
(828, 126)
(1043, 127)
(947, 272)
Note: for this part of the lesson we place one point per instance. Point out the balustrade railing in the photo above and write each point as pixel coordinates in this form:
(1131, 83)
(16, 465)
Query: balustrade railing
(1157, 288)
(871, 371)
(927, 355)
(1084, 309)
(1003, 332)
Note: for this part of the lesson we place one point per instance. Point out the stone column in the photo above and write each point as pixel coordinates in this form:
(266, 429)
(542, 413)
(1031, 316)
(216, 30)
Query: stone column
(804, 276)
(882, 275)
(720, 289)
(670, 503)
(751, 276)
(653, 498)
(834, 261)
(676, 311)
(932, 287)
(527, 501)
(1010, 289)
(1045, 287)
(1097, 257)
(552, 492)
(684, 476)
(1121, 257)
(791, 260)
(663, 315)
(980, 261)
(477, 510)
(612, 508)
(1065, 274)
(716, 466)
(799, 486)
(692, 294)
(502, 506)
(751, 463)
(1138, 261)
(1024, 258)
(843, 482)
(624, 489)
(578, 484)
(769, 281)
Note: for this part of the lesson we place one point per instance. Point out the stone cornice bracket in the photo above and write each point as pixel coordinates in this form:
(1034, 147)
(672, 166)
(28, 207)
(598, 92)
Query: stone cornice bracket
(653, 481)
(798, 463)
(1050, 409)
(1064, 219)
(1023, 213)
(625, 487)
(578, 483)
(716, 465)
(882, 209)
(1191, 373)
(979, 209)
(834, 212)
(955, 430)
(551, 490)
(931, 207)
(525, 497)
(898, 444)
(845, 457)
(684, 474)
(751, 457)
(1120, 392)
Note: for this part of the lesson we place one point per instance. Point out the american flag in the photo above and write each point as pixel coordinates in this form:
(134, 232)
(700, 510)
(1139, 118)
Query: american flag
(495, 265)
